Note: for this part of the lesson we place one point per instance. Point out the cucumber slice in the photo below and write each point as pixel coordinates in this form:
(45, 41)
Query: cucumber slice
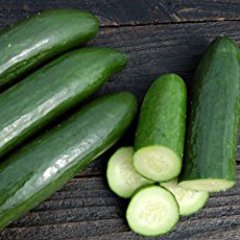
(160, 132)
(211, 185)
(121, 176)
(152, 211)
(189, 201)
(158, 163)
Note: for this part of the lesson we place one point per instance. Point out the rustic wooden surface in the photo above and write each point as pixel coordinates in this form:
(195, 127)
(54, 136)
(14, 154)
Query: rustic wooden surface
(159, 37)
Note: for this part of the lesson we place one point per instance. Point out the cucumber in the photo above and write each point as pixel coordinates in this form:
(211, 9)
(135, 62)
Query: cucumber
(160, 132)
(189, 201)
(121, 176)
(41, 37)
(152, 211)
(48, 92)
(213, 122)
(38, 169)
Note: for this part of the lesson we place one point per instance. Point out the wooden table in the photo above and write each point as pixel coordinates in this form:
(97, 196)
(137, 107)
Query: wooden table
(159, 37)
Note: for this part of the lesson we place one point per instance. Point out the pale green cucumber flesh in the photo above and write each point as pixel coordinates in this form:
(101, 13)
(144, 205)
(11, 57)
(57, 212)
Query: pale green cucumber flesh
(210, 185)
(152, 211)
(157, 163)
(121, 175)
(189, 201)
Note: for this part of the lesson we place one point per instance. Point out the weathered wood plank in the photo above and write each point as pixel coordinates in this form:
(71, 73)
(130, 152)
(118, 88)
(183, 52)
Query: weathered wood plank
(158, 49)
(233, 234)
(125, 12)
(93, 211)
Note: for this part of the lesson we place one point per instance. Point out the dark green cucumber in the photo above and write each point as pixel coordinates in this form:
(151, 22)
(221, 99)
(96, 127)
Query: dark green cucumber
(160, 133)
(41, 167)
(213, 122)
(30, 42)
(33, 102)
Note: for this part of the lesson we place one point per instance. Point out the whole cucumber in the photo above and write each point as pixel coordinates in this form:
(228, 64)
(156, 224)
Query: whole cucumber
(41, 37)
(41, 167)
(48, 92)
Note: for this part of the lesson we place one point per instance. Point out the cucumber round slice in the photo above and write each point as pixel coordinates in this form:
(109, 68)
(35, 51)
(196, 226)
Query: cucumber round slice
(121, 176)
(210, 185)
(152, 211)
(189, 201)
(157, 163)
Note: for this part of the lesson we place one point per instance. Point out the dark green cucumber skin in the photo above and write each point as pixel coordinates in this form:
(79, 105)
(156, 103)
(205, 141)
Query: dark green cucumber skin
(45, 35)
(33, 102)
(214, 112)
(35, 171)
(163, 115)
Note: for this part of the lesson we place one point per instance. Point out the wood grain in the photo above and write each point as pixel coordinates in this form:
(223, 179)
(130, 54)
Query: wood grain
(158, 49)
(86, 209)
(125, 12)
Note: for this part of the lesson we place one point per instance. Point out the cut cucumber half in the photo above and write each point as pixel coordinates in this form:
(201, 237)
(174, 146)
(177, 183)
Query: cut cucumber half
(210, 185)
(157, 163)
(121, 176)
(189, 201)
(152, 211)
(213, 121)
(160, 133)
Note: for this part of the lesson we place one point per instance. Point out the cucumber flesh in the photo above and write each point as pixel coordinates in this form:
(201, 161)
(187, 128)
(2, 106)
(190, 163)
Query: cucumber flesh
(189, 201)
(152, 211)
(158, 163)
(211, 185)
(121, 176)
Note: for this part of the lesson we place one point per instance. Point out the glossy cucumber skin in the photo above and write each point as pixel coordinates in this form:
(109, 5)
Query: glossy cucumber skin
(48, 92)
(163, 115)
(28, 43)
(214, 112)
(41, 167)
